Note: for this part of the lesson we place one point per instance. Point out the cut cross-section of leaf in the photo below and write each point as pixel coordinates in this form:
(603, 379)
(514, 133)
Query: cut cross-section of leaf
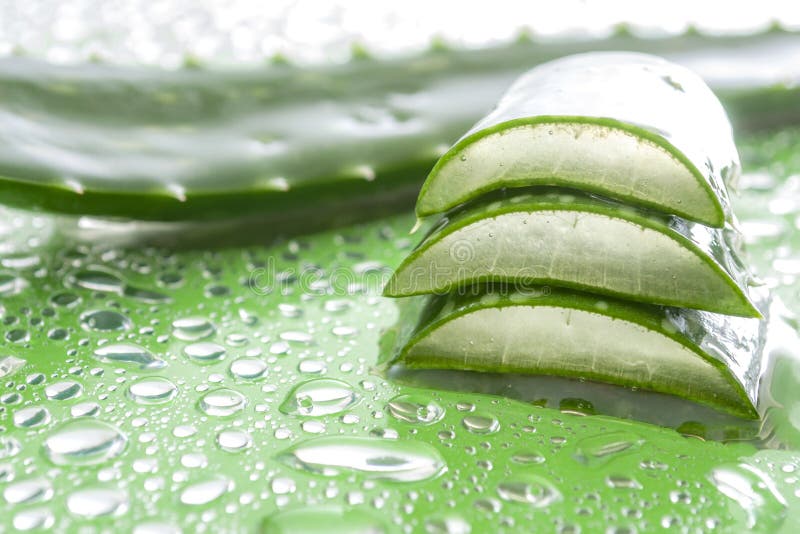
(632, 127)
(583, 242)
(707, 358)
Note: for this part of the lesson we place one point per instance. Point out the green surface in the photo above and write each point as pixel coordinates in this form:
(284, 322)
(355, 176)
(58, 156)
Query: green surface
(216, 423)
(150, 144)
(632, 127)
(589, 243)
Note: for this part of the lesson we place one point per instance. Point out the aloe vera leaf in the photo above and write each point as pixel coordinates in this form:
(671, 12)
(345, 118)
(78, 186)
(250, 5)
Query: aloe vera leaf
(209, 143)
(629, 126)
(709, 358)
(579, 241)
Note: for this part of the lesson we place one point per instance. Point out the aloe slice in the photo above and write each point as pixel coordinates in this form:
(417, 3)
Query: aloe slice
(708, 358)
(629, 126)
(579, 241)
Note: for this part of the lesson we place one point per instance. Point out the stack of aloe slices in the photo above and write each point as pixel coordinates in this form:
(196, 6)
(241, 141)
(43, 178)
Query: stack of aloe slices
(586, 232)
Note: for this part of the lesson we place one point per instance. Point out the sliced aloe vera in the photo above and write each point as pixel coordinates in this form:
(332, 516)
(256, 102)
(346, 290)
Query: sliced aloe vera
(580, 241)
(708, 358)
(629, 126)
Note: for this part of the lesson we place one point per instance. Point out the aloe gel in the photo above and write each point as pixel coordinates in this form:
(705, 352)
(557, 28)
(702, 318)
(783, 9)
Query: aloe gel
(572, 240)
(629, 126)
(709, 358)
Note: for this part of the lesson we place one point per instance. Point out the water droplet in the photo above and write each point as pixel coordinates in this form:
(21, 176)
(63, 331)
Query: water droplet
(20, 261)
(205, 352)
(184, 431)
(233, 440)
(290, 310)
(449, 524)
(400, 461)
(654, 465)
(344, 331)
(384, 433)
(217, 290)
(152, 390)
(528, 457)
(63, 390)
(337, 305)
(492, 506)
(104, 321)
(34, 519)
(9, 447)
(85, 409)
(297, 337)
(65, 300)
(11, 285)
(236, 340)
(84, 442)
(283, 486)
(170, 279)
(481, 423)
(312, 367)
(10, 398)
(193, 328)
(249, 318)
(34, 379)
(97, 502)
(249, 368)
(194, 460)
(97, 280)
(599, 449)
(622, 482)
(313, 427)
(58, 334)
(31, 416)
(680, 497)
(576, 406)
(129, 353)
(7, 473)
(10, 365)
(154, 527)
(464, 406)
(281, 347)
(28, 491)
(222, 402)
(205, 492)
(282, 433)
(415, 409)
(18, 335)
(763, 504)
(529, 489)
(318, 397)
(324, 520)
(145, 295)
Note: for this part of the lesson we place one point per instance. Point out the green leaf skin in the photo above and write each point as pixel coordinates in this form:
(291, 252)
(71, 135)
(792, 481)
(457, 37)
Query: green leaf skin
(209, 143)
(573, 240)
(708, 358)
(632, 127)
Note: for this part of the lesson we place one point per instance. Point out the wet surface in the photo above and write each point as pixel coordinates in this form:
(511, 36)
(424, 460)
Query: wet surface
(241, 386)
